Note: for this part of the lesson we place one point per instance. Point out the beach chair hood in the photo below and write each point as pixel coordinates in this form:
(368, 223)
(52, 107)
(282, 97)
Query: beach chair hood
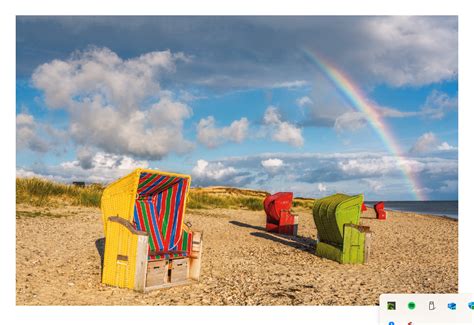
(154, 202)
(276, 203)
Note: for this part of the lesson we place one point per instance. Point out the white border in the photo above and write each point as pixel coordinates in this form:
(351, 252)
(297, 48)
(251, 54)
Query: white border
(276, 315)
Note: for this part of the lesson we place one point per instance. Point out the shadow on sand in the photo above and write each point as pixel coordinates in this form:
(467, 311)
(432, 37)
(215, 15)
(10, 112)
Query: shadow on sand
(100, 246)
(305, 244)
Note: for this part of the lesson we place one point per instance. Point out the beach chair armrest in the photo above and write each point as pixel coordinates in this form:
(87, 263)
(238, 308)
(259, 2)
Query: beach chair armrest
(127, 225)
(362, 229)
(125, 255)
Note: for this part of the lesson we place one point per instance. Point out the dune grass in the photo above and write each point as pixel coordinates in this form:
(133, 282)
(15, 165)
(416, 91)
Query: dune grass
(40, 192)
(199, 200)
(43, 193)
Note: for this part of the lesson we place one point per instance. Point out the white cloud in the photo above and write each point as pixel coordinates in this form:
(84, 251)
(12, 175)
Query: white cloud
(350, 121)
(213, 171)
(216, 173)
(374, 185)
(291, 84)
(212, 136)
(282, 131)
(429, 142)
(393, 50)
(392, 112)
(376, 174)
(377, 165)
(103, 168)
(27, 134)
(426, 142)
(409, 50)
(437, 104)
(303, 101)
(272, 164)
(322, 187)
(105, 95)
(446, 147)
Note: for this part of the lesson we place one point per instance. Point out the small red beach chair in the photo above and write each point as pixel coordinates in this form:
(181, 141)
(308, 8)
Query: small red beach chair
(380, 210)
(363, 207)
(279, 217)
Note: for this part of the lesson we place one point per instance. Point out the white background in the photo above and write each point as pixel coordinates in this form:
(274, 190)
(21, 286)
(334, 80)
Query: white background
(276, 315)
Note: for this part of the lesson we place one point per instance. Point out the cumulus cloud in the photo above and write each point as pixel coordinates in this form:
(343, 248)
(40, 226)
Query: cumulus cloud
(322, 187)
(117, 105)
(429, 142)
(375, 185)
(27, 134)
(212, 136)
(304, 101)
(437, 104)
(282, 131)
(376, 174)
(216, 173)
(373, 166)
(350, 121)
(444, 146)
(272, 164)
(411, 50)
(392, 50)
(102, 168)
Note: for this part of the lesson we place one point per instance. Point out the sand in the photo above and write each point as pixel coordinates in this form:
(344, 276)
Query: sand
(58, 261)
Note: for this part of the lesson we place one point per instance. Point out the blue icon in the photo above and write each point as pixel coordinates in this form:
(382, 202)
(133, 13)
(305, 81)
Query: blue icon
(471, 305)
(452, 306)
(391, 323)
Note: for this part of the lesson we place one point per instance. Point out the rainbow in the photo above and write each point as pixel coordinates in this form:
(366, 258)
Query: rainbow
(356, 98)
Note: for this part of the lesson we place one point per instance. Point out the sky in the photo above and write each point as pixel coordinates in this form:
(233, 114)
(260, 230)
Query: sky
(314, 105)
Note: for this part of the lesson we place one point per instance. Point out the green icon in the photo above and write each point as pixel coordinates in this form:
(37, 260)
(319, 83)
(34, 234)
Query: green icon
(411, 305)
(391, 305)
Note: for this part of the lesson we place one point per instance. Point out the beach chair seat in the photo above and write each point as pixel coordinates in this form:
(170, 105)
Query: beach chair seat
(147, 245)
(279, 217)
(340, 237)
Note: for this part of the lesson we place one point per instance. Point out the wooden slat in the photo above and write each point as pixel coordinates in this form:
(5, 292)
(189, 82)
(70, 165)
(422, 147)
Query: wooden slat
(141, 263)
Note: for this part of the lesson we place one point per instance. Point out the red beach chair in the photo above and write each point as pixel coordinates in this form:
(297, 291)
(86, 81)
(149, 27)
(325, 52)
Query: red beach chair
(380, 210)
(363, 208)
(279, 218)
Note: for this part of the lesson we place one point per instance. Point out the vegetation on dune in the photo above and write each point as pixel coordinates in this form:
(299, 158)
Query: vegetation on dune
(200, 200)
(41, 192)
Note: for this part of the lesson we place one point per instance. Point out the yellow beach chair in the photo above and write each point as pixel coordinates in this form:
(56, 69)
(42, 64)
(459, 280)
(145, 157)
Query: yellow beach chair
(147, 245)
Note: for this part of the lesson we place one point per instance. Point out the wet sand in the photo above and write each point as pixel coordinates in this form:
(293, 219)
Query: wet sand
(58, 261)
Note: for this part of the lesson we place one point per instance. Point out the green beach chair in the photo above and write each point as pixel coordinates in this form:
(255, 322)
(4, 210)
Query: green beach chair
(340, 238)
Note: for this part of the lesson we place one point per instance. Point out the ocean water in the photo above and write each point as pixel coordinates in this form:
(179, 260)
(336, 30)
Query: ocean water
(438, 208)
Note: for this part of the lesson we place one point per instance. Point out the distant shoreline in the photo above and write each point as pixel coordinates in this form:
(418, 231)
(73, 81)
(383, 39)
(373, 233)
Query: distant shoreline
(445, 208)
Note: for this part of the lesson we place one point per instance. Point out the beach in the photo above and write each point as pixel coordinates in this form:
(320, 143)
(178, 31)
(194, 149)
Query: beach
(58, 261)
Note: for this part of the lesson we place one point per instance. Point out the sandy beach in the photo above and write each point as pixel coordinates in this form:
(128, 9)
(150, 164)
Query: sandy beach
(58, 261)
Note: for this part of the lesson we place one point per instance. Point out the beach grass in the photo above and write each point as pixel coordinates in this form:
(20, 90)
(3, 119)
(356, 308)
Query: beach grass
(42, 193)
(199, 200)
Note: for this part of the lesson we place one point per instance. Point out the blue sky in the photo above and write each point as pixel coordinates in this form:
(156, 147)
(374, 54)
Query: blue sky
(234, 101)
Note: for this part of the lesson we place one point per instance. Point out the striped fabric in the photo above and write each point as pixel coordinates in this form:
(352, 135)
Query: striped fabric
(184, 245)
(159, 211)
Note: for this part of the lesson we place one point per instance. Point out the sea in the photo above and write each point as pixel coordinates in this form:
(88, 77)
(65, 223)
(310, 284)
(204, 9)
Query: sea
(437, 208)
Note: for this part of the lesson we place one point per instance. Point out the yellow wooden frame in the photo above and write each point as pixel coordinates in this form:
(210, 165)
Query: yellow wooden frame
(124, 205)
(126, 249)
